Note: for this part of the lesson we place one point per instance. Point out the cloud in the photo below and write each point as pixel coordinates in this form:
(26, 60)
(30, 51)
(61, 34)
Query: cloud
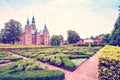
(61, 15)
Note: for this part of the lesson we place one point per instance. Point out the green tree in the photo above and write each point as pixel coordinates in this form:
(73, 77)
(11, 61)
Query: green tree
(106, 38)
(55, 40)
(11, 32)
(115, 36)
(73, 37)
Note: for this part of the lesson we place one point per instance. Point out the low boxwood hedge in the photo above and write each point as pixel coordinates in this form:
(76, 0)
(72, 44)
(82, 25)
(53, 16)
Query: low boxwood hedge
(109, 63)
(11, 59)
(28, 70)
(34, 75)
(68, 64)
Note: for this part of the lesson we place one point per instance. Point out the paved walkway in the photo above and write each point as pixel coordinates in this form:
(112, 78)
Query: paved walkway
(86, 71)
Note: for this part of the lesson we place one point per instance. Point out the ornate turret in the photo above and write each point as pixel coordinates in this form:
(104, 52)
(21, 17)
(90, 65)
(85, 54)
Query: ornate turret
(33, 20)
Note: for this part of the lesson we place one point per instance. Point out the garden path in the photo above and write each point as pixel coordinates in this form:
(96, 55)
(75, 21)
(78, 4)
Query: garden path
(86, 71)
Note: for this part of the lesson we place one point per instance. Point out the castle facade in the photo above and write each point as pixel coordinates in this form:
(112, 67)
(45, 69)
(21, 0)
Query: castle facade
(31, 36)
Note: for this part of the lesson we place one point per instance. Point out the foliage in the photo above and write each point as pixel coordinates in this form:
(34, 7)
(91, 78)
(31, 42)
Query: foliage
(68, 64)
(109, 63)
(115, 37)
(56, 40)
(16, 71)
(106, 38)
(11, 32)
(8, 56)
(73, 37)
(79, 61)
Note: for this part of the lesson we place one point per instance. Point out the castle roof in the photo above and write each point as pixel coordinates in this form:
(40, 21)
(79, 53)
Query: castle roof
(41, 33)
(33, 31)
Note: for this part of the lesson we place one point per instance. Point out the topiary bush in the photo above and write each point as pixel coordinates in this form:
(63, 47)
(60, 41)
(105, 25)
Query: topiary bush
(109, 63)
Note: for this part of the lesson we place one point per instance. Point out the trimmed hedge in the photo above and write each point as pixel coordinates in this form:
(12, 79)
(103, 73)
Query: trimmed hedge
(68, 64)
(109, 63)
(34, 75)
(28, 70)
(8, 56)
(79, 56)
(11, 59)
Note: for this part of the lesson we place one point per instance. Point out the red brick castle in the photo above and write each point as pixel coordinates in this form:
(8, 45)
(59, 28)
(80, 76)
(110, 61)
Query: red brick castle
(31, 36)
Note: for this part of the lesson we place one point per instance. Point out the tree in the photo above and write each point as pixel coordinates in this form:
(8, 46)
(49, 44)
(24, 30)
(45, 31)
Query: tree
(106, 38)
(11, 33)
(61, 37)
(115, 36)
(73, 37)
(55, 40)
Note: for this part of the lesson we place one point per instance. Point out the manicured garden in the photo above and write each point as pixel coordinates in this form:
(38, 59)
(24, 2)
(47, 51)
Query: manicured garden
(5, 57)
(68, 58)
(28, 70)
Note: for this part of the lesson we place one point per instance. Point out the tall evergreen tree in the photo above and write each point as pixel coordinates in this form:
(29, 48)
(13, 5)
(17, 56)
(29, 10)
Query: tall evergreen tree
(115, 37)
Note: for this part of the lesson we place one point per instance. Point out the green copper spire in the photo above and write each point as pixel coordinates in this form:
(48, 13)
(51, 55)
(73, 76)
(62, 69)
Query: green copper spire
(45, 28)
(33, 20)
(28, 21)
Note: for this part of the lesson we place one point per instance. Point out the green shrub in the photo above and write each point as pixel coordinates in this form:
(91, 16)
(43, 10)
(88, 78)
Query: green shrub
(68, 64)
(52, 60)
(109, 63)
(34, 75)
(79, 56)
(28, 70)
(58, 61)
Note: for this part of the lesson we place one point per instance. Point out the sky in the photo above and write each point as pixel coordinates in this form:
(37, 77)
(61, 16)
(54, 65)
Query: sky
(86, 17)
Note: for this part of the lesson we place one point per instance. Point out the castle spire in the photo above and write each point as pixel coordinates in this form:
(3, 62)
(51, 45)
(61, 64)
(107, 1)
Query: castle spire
(45, 28)
(33, 20)
(28, 21)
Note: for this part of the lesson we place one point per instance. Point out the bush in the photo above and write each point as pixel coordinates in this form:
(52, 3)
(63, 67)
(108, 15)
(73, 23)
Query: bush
(79, 56)
(109, 63)
(34, 75)
(28, 70)
(58, 61)
(68, 64)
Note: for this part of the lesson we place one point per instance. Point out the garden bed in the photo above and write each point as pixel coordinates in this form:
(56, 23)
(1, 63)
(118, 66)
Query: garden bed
(29, 70)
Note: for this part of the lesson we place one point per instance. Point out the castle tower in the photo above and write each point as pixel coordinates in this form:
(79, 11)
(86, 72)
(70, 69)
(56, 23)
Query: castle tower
(33, 26)
(46, 35)
(28, 38)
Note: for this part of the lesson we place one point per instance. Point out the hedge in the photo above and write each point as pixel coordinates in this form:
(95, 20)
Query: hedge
(109, 63)
(34, 75)
(28, 70)
(78, 56)
(68, 64)
(11, 59)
